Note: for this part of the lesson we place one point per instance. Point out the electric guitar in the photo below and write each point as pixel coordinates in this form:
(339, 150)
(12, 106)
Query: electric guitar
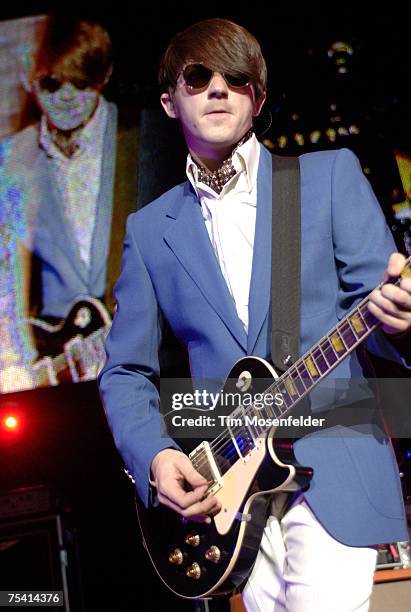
(245, 465)
(73, 350)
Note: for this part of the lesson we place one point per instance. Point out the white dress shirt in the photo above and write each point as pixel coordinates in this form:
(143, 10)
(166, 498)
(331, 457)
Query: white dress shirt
(78, 177)
(230, 221)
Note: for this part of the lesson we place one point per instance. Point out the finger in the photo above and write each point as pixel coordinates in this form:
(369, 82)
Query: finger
(173, 490)
(395, 264)
(199, 518)
(405, 284)
(399, 297)
(392, 300)
(199, 509)
(210, 505)
(394, 322)
(191, 475)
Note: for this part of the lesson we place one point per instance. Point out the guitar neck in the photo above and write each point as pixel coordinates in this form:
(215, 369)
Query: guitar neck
(323, 357)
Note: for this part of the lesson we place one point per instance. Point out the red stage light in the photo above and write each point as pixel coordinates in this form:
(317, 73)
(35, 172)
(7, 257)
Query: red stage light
(10, 422)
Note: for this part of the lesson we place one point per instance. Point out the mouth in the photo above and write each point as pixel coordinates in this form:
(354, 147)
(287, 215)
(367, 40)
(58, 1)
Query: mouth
(68, 110)
(217, 112)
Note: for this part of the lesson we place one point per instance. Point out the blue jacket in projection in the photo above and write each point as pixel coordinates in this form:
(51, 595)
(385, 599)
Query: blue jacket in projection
(64, 275)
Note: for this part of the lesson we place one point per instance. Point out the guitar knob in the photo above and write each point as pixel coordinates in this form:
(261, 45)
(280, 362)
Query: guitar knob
(213, 554)
(194, 571)
(176, 557)
(192, 539)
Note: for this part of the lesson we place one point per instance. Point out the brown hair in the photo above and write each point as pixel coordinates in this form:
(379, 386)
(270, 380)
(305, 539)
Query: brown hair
(220, 44)
(75, 51)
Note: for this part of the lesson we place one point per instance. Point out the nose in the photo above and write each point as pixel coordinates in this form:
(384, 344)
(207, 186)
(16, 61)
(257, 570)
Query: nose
(217, 86)
(67, 91)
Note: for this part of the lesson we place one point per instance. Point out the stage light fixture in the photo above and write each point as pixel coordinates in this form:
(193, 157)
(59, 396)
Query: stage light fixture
(10, 422)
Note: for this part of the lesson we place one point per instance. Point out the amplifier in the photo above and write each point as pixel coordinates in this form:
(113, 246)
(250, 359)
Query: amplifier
(395, 554)
(38, 550)
(26, 501)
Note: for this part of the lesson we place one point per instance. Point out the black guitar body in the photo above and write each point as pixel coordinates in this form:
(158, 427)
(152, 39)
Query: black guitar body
(73, 349)
(86, 316)
(194, 559)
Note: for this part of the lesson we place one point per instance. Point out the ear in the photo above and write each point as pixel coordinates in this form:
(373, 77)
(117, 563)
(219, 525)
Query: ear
(108, 75)
(167, 103)
(100, 86)
(258, 104)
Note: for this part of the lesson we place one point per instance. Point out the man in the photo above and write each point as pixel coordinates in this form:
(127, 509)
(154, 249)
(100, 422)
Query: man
(67, 163)
(77, 168)
(199, 256)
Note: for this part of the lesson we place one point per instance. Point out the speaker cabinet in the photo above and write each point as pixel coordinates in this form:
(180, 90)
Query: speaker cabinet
(36, 553)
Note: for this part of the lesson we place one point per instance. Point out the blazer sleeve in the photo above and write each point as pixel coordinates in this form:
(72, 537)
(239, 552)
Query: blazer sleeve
(129, 381)
(362, 244)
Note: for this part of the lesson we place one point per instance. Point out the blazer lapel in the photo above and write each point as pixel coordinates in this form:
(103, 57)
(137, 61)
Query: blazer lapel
(188, 239)
(99, 255)
(260, 286)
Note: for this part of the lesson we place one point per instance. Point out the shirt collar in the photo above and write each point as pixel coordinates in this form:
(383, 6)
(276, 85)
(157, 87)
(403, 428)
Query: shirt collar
(245, 159)
(86, 137)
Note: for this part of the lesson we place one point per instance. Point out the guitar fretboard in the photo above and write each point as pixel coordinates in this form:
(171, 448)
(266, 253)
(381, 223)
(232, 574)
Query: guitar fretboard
(318, 362)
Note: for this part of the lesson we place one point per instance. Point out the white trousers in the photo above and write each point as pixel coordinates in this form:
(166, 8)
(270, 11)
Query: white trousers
(301, 568)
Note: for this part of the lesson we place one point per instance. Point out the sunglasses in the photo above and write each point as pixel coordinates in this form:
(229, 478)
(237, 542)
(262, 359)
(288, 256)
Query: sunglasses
(198, 76)
(52, 84)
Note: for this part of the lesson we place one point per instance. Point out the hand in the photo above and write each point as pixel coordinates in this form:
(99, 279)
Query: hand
(392, 305)
(170, 469)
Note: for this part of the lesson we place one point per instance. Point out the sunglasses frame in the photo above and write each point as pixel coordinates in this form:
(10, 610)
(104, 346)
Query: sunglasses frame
(50, 77)
(225, 76)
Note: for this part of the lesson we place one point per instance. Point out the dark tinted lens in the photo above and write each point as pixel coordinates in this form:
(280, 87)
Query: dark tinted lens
(79, 83)
(238, 80)
(197, 75)
(49, 83)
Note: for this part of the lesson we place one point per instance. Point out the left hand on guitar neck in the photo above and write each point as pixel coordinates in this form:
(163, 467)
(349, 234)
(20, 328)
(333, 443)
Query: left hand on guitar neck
(390, 304)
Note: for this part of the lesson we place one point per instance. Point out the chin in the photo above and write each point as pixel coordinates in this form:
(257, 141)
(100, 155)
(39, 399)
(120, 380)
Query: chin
(224, 138)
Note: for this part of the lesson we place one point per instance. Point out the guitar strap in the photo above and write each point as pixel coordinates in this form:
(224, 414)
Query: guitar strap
(286, 262)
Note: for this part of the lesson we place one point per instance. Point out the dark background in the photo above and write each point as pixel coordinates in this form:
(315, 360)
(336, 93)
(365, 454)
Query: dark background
(65, 444)
(307, 91)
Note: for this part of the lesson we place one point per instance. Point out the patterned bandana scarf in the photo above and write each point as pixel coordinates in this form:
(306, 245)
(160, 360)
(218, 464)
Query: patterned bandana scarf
(218, 178)
(67, 143)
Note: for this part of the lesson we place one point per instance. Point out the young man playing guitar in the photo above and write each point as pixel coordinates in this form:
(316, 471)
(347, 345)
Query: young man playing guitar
(200, 256)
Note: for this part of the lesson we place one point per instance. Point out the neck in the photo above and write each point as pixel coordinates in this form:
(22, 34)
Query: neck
(213, 159)
(209, 163)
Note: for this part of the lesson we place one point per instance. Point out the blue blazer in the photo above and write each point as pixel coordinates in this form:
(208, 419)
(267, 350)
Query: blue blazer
(169, 267)
(64, 275)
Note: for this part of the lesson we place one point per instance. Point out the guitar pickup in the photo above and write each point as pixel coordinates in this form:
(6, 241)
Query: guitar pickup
(202, 453)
